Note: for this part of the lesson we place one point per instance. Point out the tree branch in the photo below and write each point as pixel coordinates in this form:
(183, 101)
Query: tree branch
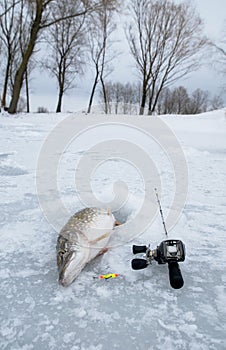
(9, 8)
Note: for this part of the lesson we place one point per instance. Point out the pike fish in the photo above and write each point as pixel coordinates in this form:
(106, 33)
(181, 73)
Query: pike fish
(85, 236)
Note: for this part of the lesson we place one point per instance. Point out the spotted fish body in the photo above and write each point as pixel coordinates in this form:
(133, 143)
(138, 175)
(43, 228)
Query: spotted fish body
(84, 236)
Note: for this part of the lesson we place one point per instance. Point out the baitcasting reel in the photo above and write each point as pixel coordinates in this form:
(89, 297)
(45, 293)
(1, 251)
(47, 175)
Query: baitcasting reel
(170, 251)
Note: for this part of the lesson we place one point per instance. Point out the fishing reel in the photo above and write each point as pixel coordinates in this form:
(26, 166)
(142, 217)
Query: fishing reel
(168, 252)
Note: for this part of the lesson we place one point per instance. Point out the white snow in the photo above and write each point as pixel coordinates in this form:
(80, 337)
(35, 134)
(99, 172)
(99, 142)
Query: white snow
(138, 310)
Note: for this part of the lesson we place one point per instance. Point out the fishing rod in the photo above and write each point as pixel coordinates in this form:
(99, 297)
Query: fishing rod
(170, 251)
(161, 213)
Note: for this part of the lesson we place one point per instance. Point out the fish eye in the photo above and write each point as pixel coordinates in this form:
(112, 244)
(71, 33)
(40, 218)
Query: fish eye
(60, 257)
(61, 252)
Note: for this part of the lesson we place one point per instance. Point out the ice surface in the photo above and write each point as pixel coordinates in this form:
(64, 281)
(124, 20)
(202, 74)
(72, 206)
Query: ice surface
(138, 310)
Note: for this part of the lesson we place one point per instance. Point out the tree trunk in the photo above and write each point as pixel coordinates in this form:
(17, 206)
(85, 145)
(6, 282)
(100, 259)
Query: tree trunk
(6, 83)
(150, 106)
(155, 96)
(143, 99)
(60, 98)
(93, 91)
(105, 96)
(18, 82)
(27, 91)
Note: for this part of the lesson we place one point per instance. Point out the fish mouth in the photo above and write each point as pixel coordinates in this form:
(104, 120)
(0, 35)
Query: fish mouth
(63, 282)
(64, 269)
(71, 265)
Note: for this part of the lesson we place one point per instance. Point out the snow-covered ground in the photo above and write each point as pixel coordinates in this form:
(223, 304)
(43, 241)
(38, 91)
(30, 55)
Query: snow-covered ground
(139, 310)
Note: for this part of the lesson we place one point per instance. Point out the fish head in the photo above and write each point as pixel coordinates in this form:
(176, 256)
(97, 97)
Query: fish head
(65, 267)
(70, 264)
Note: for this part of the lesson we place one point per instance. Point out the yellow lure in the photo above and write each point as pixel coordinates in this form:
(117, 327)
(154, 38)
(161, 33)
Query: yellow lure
(109, 275)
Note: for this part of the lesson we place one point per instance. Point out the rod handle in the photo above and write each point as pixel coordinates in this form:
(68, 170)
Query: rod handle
(175, 276)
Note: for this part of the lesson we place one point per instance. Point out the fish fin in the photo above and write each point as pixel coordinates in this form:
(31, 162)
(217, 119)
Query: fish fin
(118, 223)
(103, 251)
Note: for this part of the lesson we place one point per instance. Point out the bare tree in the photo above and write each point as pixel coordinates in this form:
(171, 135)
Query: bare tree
(66, 41)
(198, 102)
(165, 103)
(173, 101)
(131, 97)
(178, 101)
(10, 35)
(121, 98)
(24, 36)
(101, 26)
(216, 102)
(109, 98)
(115, 95)
(42, 110)
(41, 17)
(219, 51)
(164, 40)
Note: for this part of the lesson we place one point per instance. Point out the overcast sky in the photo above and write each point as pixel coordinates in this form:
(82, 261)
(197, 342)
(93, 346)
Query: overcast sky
(44, 92)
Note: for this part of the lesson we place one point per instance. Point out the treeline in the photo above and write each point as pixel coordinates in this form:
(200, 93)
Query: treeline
(67, 37)
(126, 99)
(71, 33)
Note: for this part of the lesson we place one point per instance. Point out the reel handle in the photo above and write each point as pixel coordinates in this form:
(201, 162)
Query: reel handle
(175, 276)
(139, 249)
(139, 264)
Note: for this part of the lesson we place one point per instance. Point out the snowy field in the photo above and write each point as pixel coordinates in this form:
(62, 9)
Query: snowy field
(138, 310)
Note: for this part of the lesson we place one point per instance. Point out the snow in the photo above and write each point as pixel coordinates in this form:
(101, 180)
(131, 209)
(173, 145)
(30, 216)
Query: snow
(138, 310)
